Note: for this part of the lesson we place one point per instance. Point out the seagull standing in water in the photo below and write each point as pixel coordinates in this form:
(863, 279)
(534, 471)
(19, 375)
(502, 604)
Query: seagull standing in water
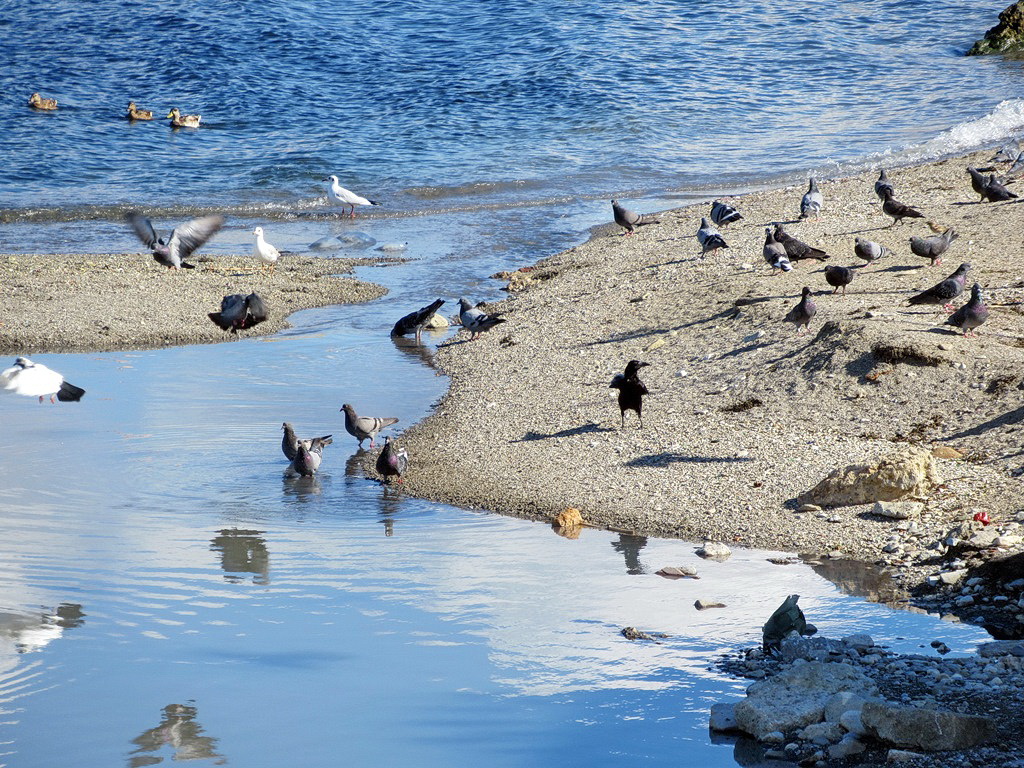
(338, 194)
(36, 380)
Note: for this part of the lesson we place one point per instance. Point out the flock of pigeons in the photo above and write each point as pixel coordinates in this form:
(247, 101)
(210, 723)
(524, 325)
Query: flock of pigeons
(781, 250)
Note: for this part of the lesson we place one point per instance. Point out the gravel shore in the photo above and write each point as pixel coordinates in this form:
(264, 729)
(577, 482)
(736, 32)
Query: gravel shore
(745, 414)
(78, 303)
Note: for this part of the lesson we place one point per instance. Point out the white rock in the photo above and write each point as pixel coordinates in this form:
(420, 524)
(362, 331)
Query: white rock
(901, 756)
(723, 717)
(952, 577)
(897, 510)
(714, 550)
(850, 745)
(1008, 541)
(850, 720)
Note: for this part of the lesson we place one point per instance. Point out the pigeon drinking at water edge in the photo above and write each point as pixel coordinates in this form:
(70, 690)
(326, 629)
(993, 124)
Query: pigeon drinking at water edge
(36, 380)
(392, 462)
(309, 454)
(362, 427)
(627, 219)
(414, 321)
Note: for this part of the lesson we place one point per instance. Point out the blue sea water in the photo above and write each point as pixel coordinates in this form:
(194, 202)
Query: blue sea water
(166, 594)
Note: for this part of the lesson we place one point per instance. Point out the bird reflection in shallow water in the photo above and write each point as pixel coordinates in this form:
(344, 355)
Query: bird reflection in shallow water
(354, 467)
(179, 731)
(241, 552)
(302, 488)
(423, 353)
(28, 633)
(630, 545)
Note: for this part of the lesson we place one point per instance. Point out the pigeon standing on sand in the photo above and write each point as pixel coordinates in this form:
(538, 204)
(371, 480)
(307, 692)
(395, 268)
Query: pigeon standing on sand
(897, 210)
(184, 240)
(996, 192)
(627, 219)
(362, 427)
(812, 201)
(392, 462)
(972, 314)
(803, 312)
(838, 277)
(943, 293)
(414, 321)
(977, 181)
(238, 312)
(475, 320)
(631, 390)
(882, 185)
(338, 194)
(933, 247)
(723, 213)
(290, 443)
(775, 253)
(309, 454)
(36, 380)
(797, 249)
(869, 250)
(264, 251)
(710, 239)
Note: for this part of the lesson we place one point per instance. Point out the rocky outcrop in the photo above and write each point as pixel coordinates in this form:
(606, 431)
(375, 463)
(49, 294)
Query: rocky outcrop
(1006, 36)
(908, 473)
(932, 730)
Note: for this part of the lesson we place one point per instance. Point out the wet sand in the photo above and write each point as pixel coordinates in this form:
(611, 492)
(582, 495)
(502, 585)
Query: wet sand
(79, 303)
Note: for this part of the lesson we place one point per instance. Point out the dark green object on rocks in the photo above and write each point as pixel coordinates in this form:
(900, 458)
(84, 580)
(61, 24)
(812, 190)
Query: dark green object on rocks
(1005, 37)
(786, 618)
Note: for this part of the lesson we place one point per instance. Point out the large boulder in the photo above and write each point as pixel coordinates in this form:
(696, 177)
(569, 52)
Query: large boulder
(796, 697)
(907, 473)
(1007, 35)
(933, 730)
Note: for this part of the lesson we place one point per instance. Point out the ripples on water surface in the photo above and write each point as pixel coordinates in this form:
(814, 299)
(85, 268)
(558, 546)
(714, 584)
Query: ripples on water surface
(165, 593)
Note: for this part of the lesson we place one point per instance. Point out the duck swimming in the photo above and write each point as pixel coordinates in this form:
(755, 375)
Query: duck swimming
(134, 113)
(179, 120)
(38, 102)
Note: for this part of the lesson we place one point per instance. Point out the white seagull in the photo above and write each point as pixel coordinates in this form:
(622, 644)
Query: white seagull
(264, 251)
(36, 380)
(343, 197)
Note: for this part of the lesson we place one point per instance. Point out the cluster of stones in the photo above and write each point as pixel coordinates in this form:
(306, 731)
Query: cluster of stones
(819, 699)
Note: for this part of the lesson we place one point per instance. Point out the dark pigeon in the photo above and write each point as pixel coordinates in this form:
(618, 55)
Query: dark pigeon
(838, 277)
(392, 462)
(882, 185)
(933, 247)
(775, 253)
(996, 192)
(631, 390)
(977, 181)
(290, 443)
(972, 314)
(238, 312)
(308, 455)
(897, 210)
(803, 312)
(414, 321)
(362, 427)
(797, 250)
(723, 213)
(944, 292)
(183, 241)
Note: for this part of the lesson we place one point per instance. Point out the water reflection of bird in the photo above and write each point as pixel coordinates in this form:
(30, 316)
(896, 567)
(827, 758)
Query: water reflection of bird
(354, 464)
(303, 489)
(630, 545)
(242, 551)
(424, 353)
(178, 729)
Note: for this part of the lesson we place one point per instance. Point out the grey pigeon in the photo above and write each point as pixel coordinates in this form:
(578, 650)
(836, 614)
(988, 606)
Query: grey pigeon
(392, 462)
(869, 250)
(944, 292)
(838, 277)
(36, 380)
(883, 184)
(1008, 153)
(309, 455)
(723, 213)
(414, 321)
(977, 181)
(182, 242)
(629, 220)
(812, 201)
(933, 247)
(631, 390)
(897, 210)
(710, 239)
(239, 311)
(290, 443)
(475, 320)
(803, 312)
(775, 253)
(797, 249)
(972, 314)
(995, 191)
(362, 427)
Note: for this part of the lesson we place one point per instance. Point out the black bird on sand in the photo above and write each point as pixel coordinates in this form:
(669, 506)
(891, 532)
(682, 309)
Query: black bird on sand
(899, 211)
(631, 390)
(803, 312)
(238, 312)
(797, 250)
(414, 321)
(838, 277)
